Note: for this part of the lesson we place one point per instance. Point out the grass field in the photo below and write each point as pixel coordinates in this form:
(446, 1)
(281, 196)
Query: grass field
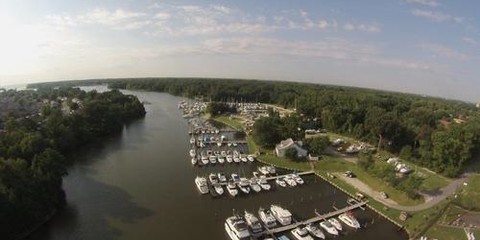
(232, 122)
(469, 197)
(446, 233)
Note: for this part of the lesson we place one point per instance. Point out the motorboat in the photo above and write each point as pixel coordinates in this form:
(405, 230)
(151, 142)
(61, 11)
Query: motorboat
(298, 179)
(213, 159)
(250, 158)
(256, 174)
(232, 189)
(271, 170)
(222, 177)
(192, 152)
(290, 181)
(234, 144)
(219, 143)
(213, 178)
(349, 220)
(281, 182)
(263, 170)
(328, 227)
(221, 159)
(315, 231)
(229, 144)
(192, 140)
(253, 222)
(237, 228)
(236, 159)
(229, 159)
(282, 215)
(223, 153)
(244, 185)
(301, 234)
(335, 223)
(204, 160)
(217, 131)
(194, 160)
(235, 178)
(262, 181)
(244, 159)
(218, 189)
(236, 153)
(267, 218)
(254, 185)
(202, 186)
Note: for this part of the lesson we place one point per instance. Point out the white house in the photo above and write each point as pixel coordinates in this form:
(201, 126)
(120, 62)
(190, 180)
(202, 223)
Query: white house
(284, 145)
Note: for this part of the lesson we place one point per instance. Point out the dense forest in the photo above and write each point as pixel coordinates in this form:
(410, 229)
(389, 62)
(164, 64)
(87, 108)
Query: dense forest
(34, 149)
(440, 134)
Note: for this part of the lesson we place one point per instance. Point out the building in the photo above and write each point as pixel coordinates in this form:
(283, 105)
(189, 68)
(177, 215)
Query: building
(283, 146)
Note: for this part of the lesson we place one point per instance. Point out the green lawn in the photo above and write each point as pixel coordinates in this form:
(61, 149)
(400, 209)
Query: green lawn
(446, 233)
(469, 197)
(232, 122)
(252, 146)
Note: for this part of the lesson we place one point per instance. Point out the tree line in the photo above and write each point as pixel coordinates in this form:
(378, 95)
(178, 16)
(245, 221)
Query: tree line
(34, 150)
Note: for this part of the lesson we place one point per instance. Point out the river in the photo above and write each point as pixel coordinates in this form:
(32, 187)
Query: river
(140, 186)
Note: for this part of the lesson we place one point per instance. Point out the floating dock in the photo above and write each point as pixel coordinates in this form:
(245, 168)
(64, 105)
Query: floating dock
(280, 176)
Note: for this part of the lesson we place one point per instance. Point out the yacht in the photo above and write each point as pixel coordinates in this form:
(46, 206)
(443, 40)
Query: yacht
(229, 144)
(290, 181)
(315, 231)
(219, 143)
(221, 159)
(192, 140)
(236, 228)
(271, 170)
(194, 160)
(213, 159)
(218, 189)
(229, 159)
(244, 185)
(223, 153)
(222, 177)
(232, 189)
(213, 178)
(282, 215)
(236, 159)
(301, 234)
(192, 153)
(267, 218)
(281, 182)
(244, 159)
(250, 158)
(253, 222)
(234, 144)
(254, 185)
(349, 220)
(217, 131)
(204, 160)
(201, 183)
(235, 178)
(236, 153)
(329, 227)
(263, 170)
(335, 223)
(264, 184)
(297, 179)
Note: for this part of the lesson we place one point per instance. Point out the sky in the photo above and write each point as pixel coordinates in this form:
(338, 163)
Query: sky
(429, 47)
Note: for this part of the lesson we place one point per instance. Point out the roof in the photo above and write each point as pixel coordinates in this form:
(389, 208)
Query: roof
(285, 144)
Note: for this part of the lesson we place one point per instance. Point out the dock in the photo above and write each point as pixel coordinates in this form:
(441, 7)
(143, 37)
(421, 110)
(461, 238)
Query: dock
(317, 218)
(280, 176)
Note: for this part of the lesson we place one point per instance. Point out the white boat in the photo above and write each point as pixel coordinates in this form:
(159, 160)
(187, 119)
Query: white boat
(250, 158)
(218, 189)
(280, 182)
(235, 178)
(194, 160)
(301, 234)
(202, 186)
(282, 215)
(229, 144)
(349, 220)
(222, 177)
(244, 185)
(237, 228)
(264, 184)
(290, 181)
(335, 223)
(213, 178)
(219, 143)
(271, 170)
(244, 159)
(192, 153)
(328, 227)
(221, 159)
(315, 231)
(232, 189)
(263, 170)
(223, 153)
(213, 159)
(236, 159)
(254, 185)
(267, 218)
(253, 222)
(234, 144)
(229, 159)
(192, 140)
(217, 131)
(204, 160)
(236, 153)
(298, 179)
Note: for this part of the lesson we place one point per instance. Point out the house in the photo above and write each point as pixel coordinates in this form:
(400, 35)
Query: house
(283, 146)
(312, 157)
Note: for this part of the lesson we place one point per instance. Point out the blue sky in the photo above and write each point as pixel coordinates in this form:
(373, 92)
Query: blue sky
(421, 46)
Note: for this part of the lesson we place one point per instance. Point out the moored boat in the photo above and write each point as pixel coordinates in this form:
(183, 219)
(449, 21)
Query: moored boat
(253, 222)
(194, 160)
(282, 215)
(232, 189)
(315, 231)
(218, 189)
(301, 234)
(254, 185)
(244, 185)
(328, 227)
(264, 184)
(335, 223)
(237, 228)
(267, 218)
(349, 220)
(281, 182)
(192, 153)
(202, 186)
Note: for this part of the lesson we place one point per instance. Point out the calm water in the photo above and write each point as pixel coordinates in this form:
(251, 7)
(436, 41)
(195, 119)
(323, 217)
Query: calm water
(140, 186)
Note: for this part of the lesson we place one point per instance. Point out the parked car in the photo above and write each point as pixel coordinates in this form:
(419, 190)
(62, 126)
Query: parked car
(349, 174)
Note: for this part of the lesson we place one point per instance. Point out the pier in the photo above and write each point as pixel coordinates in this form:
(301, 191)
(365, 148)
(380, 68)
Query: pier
(317, 218)
(280, 176)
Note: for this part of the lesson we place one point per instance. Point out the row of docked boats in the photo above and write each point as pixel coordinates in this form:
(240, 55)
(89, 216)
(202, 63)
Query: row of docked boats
(211, 157)
(244, 227)
(234, 185)
(291, 180)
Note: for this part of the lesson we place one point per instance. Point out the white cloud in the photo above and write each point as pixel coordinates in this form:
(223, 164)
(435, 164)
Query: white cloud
(470, 40)
(443, 51)
(430, 3)
(436, 16)
(362, 27)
